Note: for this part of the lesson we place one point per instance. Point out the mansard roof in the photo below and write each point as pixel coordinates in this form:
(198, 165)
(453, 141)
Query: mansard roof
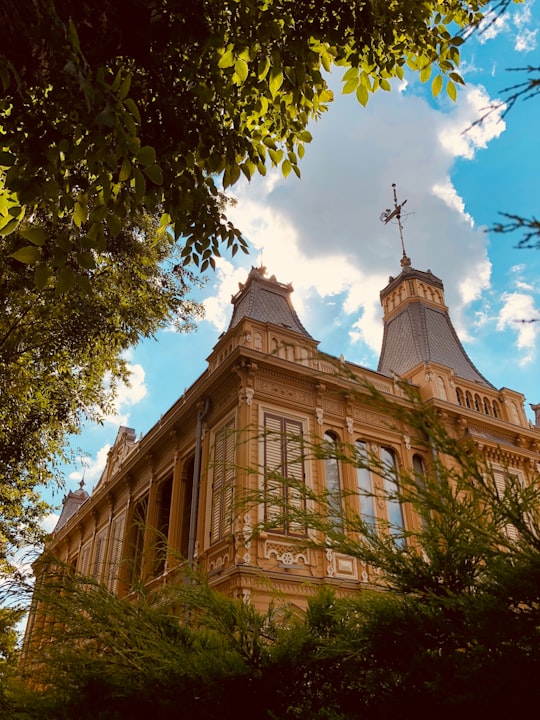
(418, 328)
(266, 300)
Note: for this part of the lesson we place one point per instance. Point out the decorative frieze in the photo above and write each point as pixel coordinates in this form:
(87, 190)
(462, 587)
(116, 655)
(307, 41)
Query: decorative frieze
(286, 553)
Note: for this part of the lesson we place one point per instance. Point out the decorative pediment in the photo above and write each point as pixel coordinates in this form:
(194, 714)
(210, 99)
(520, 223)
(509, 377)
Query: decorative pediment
(126, 442)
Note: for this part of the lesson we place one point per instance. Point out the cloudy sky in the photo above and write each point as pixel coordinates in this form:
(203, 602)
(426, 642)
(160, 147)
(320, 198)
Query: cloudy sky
(324, 235)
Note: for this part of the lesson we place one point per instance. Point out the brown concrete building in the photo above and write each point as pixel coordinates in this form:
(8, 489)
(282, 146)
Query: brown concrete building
(266, 386)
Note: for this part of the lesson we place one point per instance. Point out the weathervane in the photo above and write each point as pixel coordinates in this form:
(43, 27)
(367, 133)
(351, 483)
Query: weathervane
(389, 215)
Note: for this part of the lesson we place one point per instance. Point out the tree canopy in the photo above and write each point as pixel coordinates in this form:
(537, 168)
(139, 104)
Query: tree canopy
(61, 356)
(159, 106)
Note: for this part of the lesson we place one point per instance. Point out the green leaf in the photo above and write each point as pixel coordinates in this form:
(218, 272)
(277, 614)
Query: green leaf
(80, 213)
(226, 60)
(37, 236)
(140, 184)
(362, 95)
(9, 227)
(41, 276)
(351, 74)
(154, 173)
(451, 90)
(113, 224)
(124, 87)
(66, 280)
(436, 85)
(125, 171)
(241, 69)
(86, 260)
(276, 81)
(146, 155)
(350, 86)
(425, 73)
(133, 109)
(286, 168)
(28, 254)
(263, 68)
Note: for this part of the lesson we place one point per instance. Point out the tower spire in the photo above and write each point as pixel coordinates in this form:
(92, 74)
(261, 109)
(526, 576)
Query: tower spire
(390, 214)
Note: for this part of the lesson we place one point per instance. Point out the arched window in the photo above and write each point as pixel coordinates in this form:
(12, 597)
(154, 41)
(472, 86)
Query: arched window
(468, 400)
(459, 396)
(486, 406)
(331, 471)
(364, 483)
(393, 505)
(495, 409)
(441, 388)
(477, 403)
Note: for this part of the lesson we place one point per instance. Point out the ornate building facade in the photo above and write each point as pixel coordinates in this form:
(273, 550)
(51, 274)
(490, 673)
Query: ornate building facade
(170, 494)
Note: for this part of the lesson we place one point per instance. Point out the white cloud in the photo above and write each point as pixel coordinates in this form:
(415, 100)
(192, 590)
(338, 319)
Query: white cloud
(448, 194)
(324, 235)
(92, 467)
(518, 313)
(492, 25)
(127, 395)
(48, 523)
(460, 136)
(526, 40)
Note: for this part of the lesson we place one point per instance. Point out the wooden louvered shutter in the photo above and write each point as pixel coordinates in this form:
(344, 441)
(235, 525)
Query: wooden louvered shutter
(283, 461)
(223, 482)
(273, 467)
(99, 554)
(228, 479)
(115, 550)
(84, 560)
(500, 478)
(294, 470)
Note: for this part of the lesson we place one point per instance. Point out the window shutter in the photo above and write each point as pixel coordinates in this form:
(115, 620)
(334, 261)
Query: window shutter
(283, 460)
(115, 550)
(223, 482)
(84, 560)
(99, 554)
(273, 466)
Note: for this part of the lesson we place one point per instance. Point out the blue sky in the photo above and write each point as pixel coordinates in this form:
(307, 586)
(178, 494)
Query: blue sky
(323, 233)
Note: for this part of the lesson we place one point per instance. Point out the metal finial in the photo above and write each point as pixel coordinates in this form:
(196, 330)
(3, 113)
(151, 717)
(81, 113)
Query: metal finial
(390, 214)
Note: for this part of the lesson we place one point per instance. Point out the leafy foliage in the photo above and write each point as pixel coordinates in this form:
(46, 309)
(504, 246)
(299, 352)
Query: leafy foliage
(129, 106)
(61, 352)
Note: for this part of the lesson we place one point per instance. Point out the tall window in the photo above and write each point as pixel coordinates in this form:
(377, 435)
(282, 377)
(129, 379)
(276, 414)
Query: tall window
(162, 536)
(365, 488)
(84, 559)
(284, 473)
(223, 482)
(185, 500)
(502, 478)
(333, 486)
(99, 554)
(115, 550)
(393, 505)
(138, 533)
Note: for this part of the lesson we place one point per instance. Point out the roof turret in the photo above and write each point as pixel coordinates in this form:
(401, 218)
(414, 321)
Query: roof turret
(266, 300)
(418, 328)
(72, 502)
